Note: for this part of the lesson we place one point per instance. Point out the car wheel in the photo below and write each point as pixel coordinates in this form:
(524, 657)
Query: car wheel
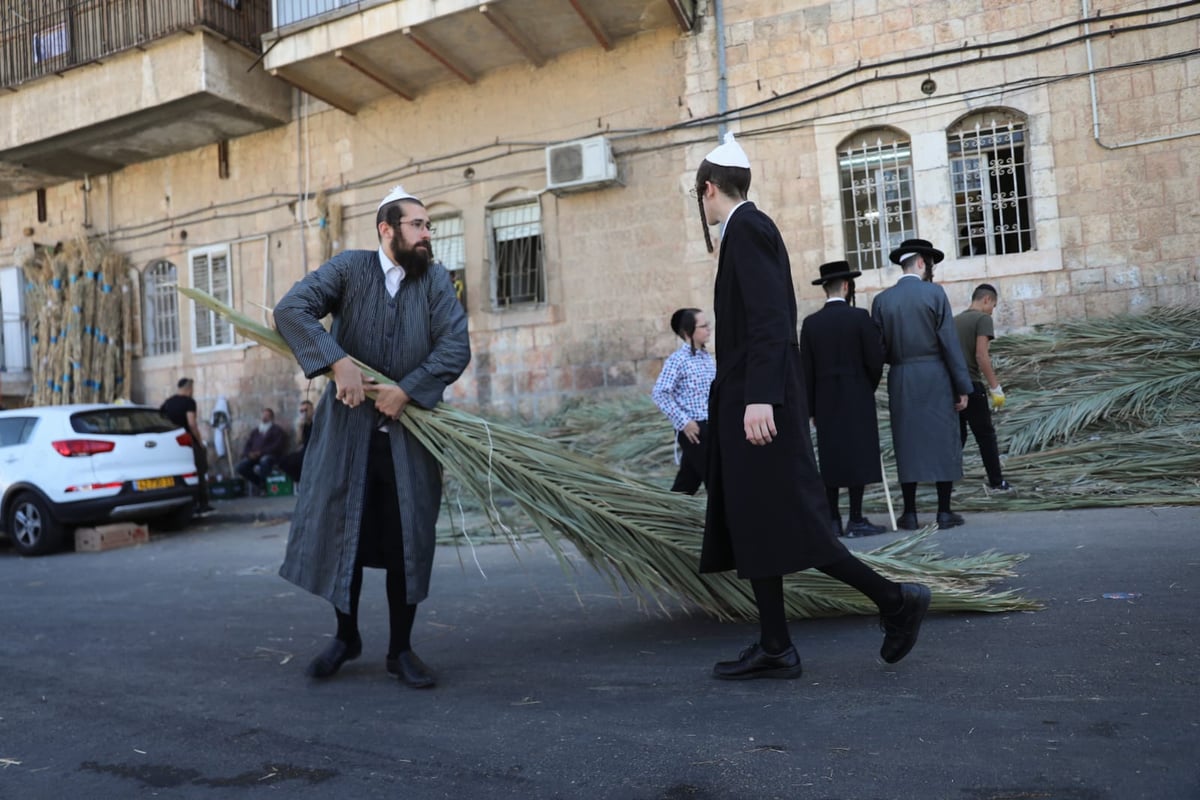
(33, 531)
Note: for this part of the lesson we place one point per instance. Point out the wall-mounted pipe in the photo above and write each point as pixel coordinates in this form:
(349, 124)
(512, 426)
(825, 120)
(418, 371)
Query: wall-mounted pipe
(722, 72)
(1087, 13)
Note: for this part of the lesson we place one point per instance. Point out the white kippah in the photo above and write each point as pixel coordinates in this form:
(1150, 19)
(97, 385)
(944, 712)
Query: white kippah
(728, 154)
(397, 193)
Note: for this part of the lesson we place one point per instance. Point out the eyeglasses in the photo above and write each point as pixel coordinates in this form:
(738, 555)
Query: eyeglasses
(696, 191)
(420, 224)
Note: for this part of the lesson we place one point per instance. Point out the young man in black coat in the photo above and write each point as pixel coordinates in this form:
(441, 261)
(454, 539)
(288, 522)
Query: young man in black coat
(767, 514)
(842, 356)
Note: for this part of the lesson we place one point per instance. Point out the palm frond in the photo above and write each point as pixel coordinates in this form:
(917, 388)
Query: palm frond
(639, 536)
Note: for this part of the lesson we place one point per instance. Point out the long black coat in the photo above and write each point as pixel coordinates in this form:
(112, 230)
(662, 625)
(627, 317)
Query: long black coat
(767, 513)
(842, 354)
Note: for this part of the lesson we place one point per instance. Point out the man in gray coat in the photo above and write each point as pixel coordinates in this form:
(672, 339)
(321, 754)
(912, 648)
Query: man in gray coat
(928, 382)
(370, 493)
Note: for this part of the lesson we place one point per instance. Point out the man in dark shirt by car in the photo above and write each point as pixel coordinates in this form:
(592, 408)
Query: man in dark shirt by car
(180, 409)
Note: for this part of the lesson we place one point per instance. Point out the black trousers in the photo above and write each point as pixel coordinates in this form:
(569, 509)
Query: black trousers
(380, 540)
(978, 416)
(693, 461)
(200, 456)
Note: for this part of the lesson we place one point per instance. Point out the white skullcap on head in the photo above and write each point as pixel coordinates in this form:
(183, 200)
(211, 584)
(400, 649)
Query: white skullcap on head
(728, 154)
(397, 193)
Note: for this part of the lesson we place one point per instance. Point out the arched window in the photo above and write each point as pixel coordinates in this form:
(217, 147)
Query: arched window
(518, 272)
(989, 176)
(878, 206)
(161, 309)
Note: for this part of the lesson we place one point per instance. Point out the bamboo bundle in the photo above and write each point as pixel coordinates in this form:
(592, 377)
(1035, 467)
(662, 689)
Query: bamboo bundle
(639, 535)
(58, 341)
(108, 329)
(75, 357)
(35, 307)
(77, 325)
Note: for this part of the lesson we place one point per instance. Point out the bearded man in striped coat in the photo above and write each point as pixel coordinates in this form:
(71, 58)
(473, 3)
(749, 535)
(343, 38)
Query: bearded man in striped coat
(369, 491)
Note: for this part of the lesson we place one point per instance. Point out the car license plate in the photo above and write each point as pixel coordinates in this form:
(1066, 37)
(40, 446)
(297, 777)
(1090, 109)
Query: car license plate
(154, 483)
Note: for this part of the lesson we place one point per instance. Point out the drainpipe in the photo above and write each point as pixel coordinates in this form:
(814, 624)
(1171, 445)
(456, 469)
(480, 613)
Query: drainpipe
(1087, 13)
(722, 77)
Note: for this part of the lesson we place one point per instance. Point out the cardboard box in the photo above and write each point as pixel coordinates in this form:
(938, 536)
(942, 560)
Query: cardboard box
(226, 489)
(280, 486)
(108, 537)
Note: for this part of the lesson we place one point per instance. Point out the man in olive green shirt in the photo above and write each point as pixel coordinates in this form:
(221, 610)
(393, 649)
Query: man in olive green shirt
(975, 333)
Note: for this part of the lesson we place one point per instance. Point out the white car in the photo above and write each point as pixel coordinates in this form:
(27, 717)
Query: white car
(64, 466)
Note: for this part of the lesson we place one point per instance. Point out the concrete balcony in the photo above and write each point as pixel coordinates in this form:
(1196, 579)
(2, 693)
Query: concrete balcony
(91, 86)
(350, 54)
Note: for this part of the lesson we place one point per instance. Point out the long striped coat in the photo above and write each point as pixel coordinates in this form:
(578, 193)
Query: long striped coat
(419, 339)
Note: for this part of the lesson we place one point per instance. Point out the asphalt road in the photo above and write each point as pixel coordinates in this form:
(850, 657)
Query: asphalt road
(175, 669)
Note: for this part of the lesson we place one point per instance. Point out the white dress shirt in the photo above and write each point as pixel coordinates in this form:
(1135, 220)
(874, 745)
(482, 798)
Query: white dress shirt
(393, 273)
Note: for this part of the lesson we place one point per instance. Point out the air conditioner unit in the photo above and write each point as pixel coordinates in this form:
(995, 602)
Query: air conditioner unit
(578, 165)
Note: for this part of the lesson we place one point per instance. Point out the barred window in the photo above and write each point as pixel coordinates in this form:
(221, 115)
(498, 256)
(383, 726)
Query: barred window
(450, 248)
(518, 276)
(211, 273)
(989, 178)
(878, 210)
(160, 321)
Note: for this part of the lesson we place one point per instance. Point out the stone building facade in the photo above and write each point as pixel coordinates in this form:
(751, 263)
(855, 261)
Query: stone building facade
(1049, 148)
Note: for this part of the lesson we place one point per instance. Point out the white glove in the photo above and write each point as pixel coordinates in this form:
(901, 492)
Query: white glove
(996, 394)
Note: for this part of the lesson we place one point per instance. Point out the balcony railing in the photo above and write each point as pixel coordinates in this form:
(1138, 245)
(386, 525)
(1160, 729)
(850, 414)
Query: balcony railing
(44, 37)
(289, 11)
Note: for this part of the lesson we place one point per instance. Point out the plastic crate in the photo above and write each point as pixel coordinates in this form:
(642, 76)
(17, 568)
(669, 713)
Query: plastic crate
(280, 486)
(227, 489)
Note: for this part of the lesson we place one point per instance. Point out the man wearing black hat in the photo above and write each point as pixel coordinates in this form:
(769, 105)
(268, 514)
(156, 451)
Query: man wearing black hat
(842, 357)
(928, 383)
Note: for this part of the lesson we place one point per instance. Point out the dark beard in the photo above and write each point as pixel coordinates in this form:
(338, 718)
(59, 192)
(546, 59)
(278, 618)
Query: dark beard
(415, 262)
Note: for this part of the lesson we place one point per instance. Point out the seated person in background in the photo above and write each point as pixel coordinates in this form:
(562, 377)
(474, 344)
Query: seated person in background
(264, 448)
(292, 463)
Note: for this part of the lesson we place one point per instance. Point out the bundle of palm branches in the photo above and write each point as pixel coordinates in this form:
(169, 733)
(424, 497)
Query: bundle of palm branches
(641, 536)
(1119, 374)
(1100, 412)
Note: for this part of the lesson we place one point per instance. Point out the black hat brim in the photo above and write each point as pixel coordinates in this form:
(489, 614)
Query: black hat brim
(929, 253)
(835, 276)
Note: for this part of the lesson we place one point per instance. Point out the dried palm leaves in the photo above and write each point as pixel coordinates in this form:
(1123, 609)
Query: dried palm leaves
(641, 536)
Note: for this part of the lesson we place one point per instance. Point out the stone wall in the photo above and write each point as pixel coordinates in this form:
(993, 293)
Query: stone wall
(1115, 218)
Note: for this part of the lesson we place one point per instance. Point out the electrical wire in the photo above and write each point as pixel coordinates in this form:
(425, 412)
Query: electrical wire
(763, 108)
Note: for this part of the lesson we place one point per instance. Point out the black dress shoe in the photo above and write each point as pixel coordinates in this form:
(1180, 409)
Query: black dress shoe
(332, 657)
(412, 670)
(901, 628)
(837, 527)
(863, 527)
(948, 519)
(754, 662)
(908, 522)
